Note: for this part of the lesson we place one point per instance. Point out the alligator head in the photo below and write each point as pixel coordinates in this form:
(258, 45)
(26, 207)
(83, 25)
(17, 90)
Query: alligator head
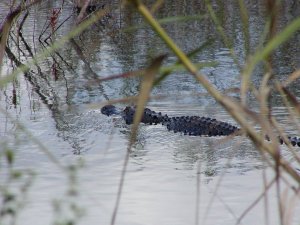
(109, 110)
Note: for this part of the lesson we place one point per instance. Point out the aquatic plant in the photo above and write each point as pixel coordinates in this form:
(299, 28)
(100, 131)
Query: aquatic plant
(28, 59)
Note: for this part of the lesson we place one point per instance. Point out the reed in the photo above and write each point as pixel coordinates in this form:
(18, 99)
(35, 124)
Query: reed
(271, 39)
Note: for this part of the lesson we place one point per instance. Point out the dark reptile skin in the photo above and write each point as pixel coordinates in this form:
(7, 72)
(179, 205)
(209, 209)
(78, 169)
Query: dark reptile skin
(188, 125)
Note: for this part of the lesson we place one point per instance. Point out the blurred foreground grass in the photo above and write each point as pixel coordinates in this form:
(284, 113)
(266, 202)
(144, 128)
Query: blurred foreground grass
(271, 39)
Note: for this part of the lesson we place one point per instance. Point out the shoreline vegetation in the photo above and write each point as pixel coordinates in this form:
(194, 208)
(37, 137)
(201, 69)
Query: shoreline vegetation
(26, 59)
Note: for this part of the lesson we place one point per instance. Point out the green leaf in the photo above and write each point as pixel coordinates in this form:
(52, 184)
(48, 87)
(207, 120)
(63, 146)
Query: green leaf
(9, 156)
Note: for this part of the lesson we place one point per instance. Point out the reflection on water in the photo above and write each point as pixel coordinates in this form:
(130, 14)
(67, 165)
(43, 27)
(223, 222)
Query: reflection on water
(164, 168)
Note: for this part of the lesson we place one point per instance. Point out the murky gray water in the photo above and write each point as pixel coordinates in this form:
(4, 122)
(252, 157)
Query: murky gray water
(171, 178)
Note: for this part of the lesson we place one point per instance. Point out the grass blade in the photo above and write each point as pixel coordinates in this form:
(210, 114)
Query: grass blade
(144, 94)
(143, 97)
(262, 54)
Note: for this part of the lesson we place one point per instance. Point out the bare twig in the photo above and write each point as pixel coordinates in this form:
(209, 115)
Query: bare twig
(255, 202)
(6, 25)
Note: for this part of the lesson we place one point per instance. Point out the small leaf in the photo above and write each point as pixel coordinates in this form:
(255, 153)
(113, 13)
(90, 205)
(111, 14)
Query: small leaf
(9, 156)
(16, 174)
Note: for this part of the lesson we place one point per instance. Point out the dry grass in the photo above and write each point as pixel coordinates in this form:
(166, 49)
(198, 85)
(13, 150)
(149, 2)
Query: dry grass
(238, 109)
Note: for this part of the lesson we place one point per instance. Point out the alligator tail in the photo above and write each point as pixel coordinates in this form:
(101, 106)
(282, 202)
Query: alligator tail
(294, 140)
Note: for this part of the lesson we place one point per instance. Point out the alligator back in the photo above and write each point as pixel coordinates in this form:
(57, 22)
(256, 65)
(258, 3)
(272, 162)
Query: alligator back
(189, 125)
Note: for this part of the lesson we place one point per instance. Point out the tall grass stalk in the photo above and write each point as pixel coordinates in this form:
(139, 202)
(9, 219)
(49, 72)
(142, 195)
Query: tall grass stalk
(146, 87)
(262, 54)
(222, 33)
(52, 48)
(237, 111)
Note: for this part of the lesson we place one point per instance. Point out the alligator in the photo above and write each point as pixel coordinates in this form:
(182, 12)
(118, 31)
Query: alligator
(188, 125)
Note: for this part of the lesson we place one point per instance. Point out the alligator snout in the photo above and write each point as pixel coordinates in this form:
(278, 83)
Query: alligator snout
(109, 110)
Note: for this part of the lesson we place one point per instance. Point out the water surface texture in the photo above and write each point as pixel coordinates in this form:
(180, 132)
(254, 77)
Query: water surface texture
(171, 179)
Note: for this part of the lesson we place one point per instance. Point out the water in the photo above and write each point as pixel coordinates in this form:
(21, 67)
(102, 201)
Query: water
(170, 178)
